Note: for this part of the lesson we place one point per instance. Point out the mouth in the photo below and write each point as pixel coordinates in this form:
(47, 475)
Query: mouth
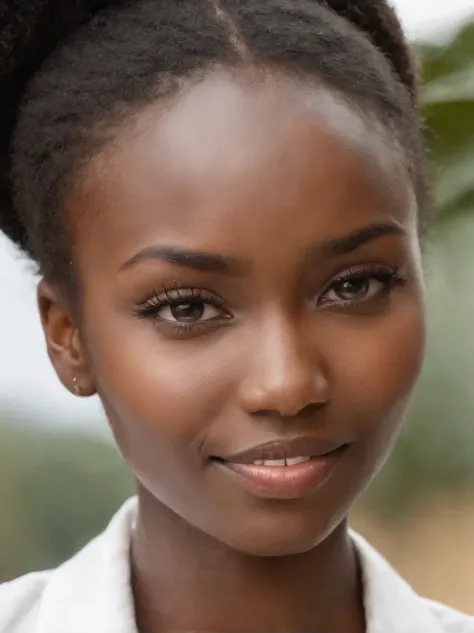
(283, 469)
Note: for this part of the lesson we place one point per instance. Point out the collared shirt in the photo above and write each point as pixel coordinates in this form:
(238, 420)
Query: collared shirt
(91, 593)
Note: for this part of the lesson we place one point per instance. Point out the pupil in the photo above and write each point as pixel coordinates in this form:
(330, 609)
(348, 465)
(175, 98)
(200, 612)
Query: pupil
(191, 311)
(354, 288)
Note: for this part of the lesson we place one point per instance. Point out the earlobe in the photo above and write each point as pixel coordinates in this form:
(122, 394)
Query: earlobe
(63, 342)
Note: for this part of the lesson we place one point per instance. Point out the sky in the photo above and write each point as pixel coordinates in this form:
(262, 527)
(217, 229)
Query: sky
(429, 19)
(28, 385)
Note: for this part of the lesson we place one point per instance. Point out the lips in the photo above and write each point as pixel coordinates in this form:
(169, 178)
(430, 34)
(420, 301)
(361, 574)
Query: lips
(283, 451)
(283, 469)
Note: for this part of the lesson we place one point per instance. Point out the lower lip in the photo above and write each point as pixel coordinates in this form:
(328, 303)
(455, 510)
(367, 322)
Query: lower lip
(284, 482)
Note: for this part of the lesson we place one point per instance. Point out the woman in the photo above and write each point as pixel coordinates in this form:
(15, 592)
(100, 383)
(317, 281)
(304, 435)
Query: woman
(225, 200)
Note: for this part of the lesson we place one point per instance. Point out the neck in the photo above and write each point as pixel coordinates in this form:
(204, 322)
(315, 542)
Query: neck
(185, 580)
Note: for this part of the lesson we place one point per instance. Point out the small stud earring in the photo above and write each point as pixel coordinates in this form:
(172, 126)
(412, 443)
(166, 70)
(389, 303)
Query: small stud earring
(77, 389)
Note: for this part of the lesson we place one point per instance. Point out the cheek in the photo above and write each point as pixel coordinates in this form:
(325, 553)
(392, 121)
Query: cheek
(375, 372)
(164, 390)
(379, 368)
(160, 398)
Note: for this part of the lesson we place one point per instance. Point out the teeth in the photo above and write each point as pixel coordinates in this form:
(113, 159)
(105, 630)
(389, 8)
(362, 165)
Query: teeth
(281, 462)
(297, 460)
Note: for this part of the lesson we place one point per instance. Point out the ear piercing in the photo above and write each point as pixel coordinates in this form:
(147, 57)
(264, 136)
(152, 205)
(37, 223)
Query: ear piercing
(77, 389)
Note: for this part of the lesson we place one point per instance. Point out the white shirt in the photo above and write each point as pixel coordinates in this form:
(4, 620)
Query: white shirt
(91, 593)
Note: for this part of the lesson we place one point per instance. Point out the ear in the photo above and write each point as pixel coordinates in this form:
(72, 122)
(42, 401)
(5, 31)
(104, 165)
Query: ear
(65, 348)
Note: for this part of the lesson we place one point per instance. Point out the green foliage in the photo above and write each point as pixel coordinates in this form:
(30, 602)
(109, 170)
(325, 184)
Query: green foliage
(57, 492)
(448, 99)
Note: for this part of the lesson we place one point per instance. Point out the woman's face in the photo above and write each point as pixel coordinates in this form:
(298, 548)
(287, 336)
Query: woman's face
(251, 275)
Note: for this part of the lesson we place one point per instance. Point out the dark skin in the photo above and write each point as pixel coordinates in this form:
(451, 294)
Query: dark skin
(302, 314)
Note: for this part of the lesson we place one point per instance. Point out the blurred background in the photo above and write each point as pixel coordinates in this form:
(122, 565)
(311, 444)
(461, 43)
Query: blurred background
(61, 478)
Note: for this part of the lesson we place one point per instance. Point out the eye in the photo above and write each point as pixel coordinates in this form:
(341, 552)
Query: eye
(361, 286)
(184, 310)
(191, 311)
(355, 289)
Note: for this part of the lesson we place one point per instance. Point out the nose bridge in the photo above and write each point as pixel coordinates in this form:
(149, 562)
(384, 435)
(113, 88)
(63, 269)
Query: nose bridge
(286, 372)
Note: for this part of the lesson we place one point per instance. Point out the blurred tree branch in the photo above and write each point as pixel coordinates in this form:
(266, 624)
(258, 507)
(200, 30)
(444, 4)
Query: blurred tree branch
(448, 106)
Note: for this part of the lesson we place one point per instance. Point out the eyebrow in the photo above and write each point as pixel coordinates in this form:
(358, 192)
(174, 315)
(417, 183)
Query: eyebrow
(356, 239)
(214, 263)
(197, 260)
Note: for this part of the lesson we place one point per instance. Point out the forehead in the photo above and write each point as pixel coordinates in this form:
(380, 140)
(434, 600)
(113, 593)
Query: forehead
(236, 152)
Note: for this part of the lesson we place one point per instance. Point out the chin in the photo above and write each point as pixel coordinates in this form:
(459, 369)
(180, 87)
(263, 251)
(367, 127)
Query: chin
(273, 538)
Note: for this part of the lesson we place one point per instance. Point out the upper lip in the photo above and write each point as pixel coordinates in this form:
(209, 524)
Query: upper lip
(285, 449)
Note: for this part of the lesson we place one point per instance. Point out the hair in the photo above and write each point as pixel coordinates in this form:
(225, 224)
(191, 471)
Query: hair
(73, 71)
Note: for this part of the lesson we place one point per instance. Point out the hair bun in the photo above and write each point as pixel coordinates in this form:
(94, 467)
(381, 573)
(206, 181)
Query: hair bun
(29, 31)
(379, 21)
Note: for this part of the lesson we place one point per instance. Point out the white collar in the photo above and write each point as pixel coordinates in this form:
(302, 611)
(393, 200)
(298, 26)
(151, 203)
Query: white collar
(92, 592)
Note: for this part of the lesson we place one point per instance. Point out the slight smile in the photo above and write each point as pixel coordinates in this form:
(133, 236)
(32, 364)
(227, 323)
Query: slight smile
(284, 469)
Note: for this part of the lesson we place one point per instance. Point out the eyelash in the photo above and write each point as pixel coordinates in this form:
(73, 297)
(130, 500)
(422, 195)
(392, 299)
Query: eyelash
(174, 295)
(388, 277)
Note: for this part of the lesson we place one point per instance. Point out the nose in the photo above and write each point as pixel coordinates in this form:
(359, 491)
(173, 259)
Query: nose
(285, 373)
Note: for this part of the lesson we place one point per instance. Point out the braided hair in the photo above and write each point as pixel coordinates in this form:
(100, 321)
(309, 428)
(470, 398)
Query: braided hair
(71, 71)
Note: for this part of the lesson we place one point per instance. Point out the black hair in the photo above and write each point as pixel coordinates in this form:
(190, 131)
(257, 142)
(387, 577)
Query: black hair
(72, 70)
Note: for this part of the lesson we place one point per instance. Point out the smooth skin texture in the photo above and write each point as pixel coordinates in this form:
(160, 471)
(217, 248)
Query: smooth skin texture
(250, 269)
